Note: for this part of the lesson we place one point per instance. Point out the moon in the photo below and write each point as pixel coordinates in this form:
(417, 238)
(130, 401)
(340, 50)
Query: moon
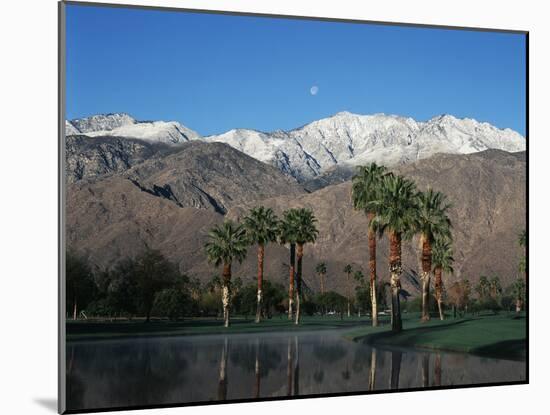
(314, 89)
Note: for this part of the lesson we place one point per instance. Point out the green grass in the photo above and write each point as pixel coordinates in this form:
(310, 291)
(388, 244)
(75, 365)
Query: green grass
(95, 330)
(502, 335)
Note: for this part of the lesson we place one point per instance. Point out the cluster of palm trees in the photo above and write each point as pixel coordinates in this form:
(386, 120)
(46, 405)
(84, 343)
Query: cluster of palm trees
(229, 242)
(394, 206)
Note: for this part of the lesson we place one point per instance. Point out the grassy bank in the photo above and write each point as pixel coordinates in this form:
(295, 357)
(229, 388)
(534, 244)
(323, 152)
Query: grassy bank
(98, 330)
(502, 336)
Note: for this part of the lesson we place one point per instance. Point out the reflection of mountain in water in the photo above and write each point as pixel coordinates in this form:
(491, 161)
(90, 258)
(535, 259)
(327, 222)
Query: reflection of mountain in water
(204, 368)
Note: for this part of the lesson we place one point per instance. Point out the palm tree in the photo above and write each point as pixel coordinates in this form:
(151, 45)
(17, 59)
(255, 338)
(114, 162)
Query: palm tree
(431, 222)
(396, 211)
(261, 228)
(306, 231)
(482, 287)
(366, 187)
(287, 235)
(360, 278)
(348, 270)
(321, 270)
(442, 261)
(495, 286)
(227, 243)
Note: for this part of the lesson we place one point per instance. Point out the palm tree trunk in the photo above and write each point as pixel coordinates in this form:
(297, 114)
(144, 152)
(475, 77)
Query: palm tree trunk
(226, 293)
(395, 280)
(372, 271)
(439, 292)
(300, 254)
(74, 308)
(291, 280)
(261, 253)
(322, 276)
(426, 271)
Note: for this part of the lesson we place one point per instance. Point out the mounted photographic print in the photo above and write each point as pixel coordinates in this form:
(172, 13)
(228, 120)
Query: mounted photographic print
(261, 207)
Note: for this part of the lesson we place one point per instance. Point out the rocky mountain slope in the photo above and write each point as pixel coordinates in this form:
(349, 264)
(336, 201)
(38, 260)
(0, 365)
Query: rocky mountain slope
(161, 203)
(343, 140)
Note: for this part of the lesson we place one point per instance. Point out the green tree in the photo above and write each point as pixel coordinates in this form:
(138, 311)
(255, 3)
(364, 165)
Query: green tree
(80, 286)
(261, 227)
(431, 222)
(366, 190)
(306, 232)
(442, 261)
(226, 243)
(153, 273)
(396, 212)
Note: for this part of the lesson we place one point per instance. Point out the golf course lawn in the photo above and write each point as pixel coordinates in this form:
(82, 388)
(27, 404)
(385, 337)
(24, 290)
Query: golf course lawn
(501, 335)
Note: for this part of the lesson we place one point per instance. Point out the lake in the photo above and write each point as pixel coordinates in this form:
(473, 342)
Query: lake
(176, 370)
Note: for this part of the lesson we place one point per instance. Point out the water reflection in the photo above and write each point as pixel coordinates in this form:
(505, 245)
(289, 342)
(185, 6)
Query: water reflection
(197, 368)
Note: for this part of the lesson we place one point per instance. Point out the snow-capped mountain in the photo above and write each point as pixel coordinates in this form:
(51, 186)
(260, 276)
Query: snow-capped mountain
(344, 139)
(123, 125)
(352, 139)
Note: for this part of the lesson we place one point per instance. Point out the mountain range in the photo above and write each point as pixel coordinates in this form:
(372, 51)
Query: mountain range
(339, 142)
(125, 194)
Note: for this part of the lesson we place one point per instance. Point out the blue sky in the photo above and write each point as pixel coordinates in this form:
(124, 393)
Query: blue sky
(217, 72)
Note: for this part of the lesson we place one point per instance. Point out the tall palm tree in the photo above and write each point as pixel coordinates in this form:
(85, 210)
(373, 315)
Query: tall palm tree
(366, 187)
(306, 231)
(431, 222)
(226, 243)
(360, 278)
(396, 211)
(321, 270)
(261, 228)
(442, 261)
(348, 270)
(287, 235)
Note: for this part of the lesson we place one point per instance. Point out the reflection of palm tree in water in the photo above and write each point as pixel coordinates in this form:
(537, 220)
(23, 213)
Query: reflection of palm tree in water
(395, 369)
(222, 383)
(296, 369)
(289, 368)
(257, 370)
(372, 372)
(437, 370)
(425, 370)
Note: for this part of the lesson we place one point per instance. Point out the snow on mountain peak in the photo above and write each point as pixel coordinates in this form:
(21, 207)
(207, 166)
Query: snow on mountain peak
(123, 125)
(345, 138)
